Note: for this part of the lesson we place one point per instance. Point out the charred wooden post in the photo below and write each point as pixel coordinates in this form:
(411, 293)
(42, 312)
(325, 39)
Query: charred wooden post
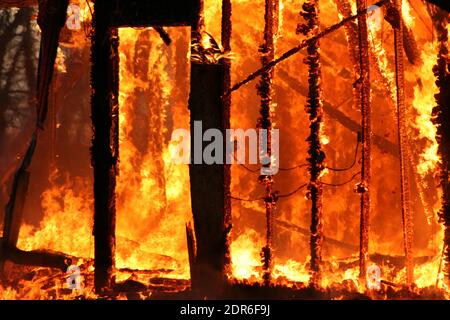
(316, 157)
(207, 181)
(441, 115)
(226, 45)
(364, 99)
(104, 104)
(108, 16)
(265, 91)
(51, 19)
(394, 16)
(210, 182)
(357, 37)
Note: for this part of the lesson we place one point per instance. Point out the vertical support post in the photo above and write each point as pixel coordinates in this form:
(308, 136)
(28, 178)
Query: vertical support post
(207, 181)
(226, 101)
(210, 182)
(265, 91)
(403, 139)
(105, 152)
(364, 99)
(316, 158)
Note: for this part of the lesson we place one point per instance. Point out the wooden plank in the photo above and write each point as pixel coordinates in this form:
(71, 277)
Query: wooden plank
(104, 151)
(151, 12)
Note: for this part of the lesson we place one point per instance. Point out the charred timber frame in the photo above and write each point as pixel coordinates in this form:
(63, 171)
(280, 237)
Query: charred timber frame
(357, 37)
(105, 146)
(209, 183)
(226, 100)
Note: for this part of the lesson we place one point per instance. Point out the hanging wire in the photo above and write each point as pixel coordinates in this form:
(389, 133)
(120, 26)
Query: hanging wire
(298, 189)
(350, 166)
(244, 166)
(256, 171)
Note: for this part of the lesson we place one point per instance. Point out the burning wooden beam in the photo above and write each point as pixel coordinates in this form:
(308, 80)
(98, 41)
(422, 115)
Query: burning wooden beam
(105, 152)
(226, 45)
(363, 85)
(410, 44)
(394, 14)
(314, 107)
(265, 91)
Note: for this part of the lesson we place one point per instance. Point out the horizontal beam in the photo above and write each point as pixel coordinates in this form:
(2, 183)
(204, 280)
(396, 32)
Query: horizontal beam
(17, 3)
(126, 13)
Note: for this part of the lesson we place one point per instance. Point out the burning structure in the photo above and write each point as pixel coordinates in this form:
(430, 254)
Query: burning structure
(91, 92)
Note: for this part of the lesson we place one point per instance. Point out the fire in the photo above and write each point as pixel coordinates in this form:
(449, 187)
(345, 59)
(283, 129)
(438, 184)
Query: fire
(67, 224)
(245, 256)
(153, 194)
(407, 15)
(424, 103)
(151, 218)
